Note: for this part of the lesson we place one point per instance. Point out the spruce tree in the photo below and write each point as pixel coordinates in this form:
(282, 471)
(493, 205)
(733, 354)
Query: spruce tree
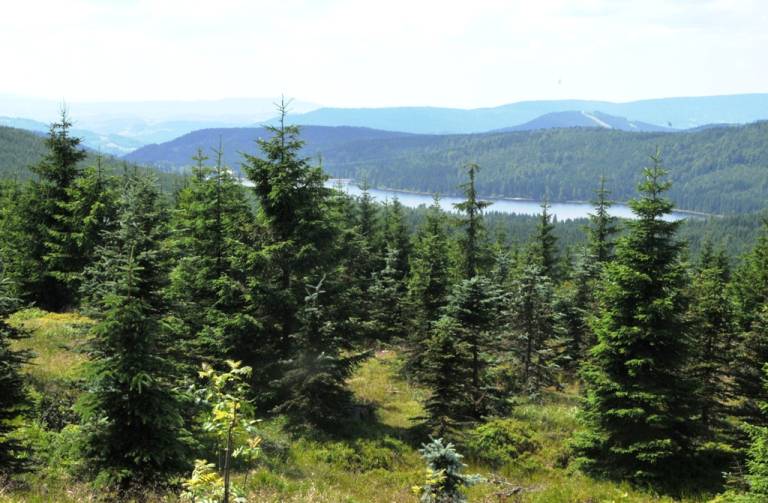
(546, 243)
(750, 287)
(214, 222)
(92, 213)
(396, 237)
(388, 310)
(640, 409)
(468, 334)
(602, 225)
(14, 456)
(474, 257)
(134, 430)
(52, 257)
(533, 332)
(576, 302)
(315, 378)
(714, 329)
(758, 460)
(444, 477)
(429, 281)
(445, 369)
(292, 207)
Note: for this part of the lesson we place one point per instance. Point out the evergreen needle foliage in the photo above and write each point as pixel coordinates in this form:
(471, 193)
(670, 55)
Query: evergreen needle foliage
(640, 408)
(14, 456)
(444, 478)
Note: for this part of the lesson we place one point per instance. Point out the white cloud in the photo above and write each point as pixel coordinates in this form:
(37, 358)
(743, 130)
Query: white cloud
(399, 52)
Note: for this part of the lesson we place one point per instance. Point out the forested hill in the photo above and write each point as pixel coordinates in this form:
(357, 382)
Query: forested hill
(177, 153)
(19, 148)
(718, 170)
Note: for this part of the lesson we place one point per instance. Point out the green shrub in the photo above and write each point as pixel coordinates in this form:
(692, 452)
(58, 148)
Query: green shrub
(500, 442)
(362, 455)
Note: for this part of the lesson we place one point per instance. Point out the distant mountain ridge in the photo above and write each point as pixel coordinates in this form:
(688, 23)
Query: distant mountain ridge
(144, 122)
(672, 113)
(585, 119)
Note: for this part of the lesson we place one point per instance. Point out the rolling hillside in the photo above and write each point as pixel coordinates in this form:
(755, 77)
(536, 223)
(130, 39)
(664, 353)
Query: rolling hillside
(720, 170)
(177, 153)
(19, 148)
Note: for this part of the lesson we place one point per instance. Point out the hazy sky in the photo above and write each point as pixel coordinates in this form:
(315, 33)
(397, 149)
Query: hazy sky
(366, 53)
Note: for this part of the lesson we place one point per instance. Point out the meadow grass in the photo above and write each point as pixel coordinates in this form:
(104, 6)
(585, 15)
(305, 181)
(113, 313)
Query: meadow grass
(359, 462)
(52, 338)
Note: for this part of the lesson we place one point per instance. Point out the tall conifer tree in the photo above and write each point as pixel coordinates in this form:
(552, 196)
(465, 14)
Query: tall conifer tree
(474, 255)
(134, 433)
(14, 456)
(640, 407)
(602, 225)
(293, 207)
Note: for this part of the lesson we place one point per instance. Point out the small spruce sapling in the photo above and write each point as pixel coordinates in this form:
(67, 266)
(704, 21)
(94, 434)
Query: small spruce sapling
(443, 475)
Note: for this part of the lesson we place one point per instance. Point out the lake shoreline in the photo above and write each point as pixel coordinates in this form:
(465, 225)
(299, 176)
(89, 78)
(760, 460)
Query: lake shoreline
(350, 181)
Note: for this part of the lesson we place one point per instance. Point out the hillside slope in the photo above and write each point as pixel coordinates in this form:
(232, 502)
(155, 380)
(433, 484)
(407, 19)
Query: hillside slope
(721, 170)
(177, 153)
(19, 148)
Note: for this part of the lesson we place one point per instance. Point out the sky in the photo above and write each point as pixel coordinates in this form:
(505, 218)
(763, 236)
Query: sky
(373, 53)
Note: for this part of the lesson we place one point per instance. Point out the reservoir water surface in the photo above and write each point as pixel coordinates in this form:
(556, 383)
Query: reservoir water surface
(564, 211)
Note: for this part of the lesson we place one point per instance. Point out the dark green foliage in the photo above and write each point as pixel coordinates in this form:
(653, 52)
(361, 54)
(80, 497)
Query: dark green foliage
(445, 368)
(444, 477)
(14, 456)
(293, 208)
(458, 354)
(640, 408)
(214, 222)
(500, 441)
(713, 329)
(134, 433)
(750, 287)
(46, 242)
(314, 381)
(388, 314)
(429, 281)
(395, 237)
(576, 302)
(564, 163)
(533, 337)
(545, 242)
(758, 460)
(602, 225)
(474, 257)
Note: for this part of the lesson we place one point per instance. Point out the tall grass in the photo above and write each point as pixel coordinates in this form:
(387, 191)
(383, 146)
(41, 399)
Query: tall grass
(360, 462)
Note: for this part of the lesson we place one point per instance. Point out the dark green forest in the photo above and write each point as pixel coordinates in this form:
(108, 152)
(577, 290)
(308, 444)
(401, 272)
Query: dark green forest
(208, 305)
(20, 149)
(720, 170)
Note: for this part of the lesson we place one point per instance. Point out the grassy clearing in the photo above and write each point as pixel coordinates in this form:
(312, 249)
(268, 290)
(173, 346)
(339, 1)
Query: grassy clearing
(51, 335)
(362, 462)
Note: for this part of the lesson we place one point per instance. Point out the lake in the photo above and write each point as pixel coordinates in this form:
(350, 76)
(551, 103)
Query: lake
(564, 211)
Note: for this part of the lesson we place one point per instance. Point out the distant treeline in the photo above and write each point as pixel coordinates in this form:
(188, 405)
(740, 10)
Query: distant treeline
(721, 170)
(736, 234)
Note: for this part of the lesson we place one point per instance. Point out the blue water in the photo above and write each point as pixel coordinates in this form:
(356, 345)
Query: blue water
(564, 211)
